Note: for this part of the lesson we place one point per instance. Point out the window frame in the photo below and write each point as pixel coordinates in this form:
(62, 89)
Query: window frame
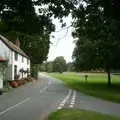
(22, 59)
(16, 56)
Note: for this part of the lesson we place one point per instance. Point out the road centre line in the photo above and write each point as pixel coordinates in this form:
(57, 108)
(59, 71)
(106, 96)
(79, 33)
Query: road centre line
(14, 106)
(41, 91)
(50, 82)
(65, 100)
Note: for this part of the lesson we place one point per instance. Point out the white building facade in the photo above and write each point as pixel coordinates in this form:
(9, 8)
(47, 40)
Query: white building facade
(18, 63)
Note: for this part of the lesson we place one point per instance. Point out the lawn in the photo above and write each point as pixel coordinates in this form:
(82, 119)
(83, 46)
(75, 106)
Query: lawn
(75, 114)
(96, 84)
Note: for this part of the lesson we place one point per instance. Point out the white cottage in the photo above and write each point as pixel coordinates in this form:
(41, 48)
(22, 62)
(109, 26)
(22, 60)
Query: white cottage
(18, 63)
(2, 66)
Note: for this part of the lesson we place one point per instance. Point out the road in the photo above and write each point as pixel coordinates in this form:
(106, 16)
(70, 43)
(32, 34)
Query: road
(34, 101)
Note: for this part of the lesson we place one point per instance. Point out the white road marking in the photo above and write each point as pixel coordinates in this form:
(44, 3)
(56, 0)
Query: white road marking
(59, 108)
(72, 103)
(71, 106)
(73, 100)
(41, 91)
(14, 106)
(50, 82)
(65, 100)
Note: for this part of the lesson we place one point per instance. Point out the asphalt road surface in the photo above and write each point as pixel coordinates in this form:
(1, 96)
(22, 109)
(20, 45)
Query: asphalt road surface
(34, 101)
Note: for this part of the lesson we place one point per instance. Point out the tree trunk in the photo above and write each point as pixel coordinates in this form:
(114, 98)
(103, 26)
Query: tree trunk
(34, 71)
(109, 77)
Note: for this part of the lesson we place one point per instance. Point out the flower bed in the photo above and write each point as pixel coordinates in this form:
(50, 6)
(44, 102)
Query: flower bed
(13, 83)
(17, 83)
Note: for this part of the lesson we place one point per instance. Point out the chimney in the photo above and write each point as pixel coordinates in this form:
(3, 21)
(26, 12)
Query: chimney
(17, 42)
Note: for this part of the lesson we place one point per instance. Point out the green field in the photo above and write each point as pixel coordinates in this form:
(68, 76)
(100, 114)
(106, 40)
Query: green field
(96, 84)
(74, 114)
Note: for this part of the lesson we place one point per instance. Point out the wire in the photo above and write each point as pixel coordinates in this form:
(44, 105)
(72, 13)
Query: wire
(58, 41)
(63, 29)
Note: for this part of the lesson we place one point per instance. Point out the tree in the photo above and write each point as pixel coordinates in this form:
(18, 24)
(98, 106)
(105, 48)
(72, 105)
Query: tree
(49, 66)
(97, 29)
(70, 67)
(59, 65)
(18, 19)
(42, 67)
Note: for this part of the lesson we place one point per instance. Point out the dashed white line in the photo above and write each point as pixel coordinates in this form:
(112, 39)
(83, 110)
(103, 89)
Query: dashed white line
(41, 91)
(50, 82)
(14, 106)
(65, 100)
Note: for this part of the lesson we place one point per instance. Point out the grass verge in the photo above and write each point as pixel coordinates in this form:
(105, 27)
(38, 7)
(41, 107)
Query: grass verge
(75, 114)
(96, 85)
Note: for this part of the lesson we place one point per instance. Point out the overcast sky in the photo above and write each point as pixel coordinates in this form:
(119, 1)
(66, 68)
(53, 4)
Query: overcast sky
(63, 42)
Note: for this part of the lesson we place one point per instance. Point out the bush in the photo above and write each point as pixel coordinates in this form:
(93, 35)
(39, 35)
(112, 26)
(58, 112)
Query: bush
(5, 83)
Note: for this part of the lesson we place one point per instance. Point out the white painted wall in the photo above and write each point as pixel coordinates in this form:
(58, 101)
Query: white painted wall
(10, 55)
(4, 50)
(20, 65)
(1, 80)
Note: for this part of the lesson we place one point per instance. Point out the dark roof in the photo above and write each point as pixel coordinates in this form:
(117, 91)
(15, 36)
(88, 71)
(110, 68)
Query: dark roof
(12, 46)
(2, 59)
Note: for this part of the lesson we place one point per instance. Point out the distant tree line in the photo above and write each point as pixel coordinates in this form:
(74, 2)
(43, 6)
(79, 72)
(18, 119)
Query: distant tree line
(58, 65)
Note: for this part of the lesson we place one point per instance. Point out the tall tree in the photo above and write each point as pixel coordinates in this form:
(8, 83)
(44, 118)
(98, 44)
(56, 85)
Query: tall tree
(70, 67)
(49, 66)
(59, 64)
(97, 29)
(18, 19)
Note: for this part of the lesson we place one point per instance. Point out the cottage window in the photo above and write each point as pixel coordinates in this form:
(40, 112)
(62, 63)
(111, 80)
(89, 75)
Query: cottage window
(22, 59)
(16, 56)
(27, 61)
(15, 71)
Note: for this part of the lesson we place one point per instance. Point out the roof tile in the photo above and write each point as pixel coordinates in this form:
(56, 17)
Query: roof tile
(12, 46)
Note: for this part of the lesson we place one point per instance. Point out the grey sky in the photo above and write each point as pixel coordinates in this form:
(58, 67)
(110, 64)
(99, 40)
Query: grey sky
(63, 42)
